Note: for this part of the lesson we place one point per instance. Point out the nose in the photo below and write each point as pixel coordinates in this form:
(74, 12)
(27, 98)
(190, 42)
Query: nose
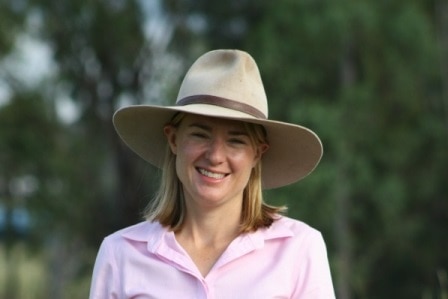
(216, 151)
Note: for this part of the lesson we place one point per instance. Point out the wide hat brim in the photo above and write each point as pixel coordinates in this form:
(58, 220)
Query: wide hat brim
(294, 150)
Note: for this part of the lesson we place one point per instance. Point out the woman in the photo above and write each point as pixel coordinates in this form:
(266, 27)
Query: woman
(208, 233)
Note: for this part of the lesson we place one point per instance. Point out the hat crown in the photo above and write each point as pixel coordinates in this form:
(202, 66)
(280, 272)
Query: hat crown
(227, 76)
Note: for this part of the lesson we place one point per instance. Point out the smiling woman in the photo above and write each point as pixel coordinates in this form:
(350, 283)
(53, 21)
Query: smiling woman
(208, 232)
(224, 158)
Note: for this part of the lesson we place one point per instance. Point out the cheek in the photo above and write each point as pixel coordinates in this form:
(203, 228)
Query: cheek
(186, 154)
(188, 150)
(182, 166)
(245, 161)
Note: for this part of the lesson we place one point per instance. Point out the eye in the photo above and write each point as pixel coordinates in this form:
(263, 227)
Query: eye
(199, 135)
(238, 141)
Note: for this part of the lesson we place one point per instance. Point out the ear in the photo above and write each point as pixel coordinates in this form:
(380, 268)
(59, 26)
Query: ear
(170, 134)
(261, 149)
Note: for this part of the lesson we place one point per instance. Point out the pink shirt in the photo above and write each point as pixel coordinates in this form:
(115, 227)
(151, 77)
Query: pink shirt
(286, 260)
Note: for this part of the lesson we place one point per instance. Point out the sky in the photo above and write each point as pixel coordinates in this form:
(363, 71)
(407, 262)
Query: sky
(31, 61)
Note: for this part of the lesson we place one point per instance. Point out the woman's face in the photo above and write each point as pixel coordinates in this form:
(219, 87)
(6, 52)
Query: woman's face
(214, 159)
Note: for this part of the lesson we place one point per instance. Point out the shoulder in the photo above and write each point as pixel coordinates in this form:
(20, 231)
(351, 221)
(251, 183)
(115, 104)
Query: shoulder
(294, 227)
(294, 233)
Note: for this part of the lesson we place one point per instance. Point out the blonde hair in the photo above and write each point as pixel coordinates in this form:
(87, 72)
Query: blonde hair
(168, 206)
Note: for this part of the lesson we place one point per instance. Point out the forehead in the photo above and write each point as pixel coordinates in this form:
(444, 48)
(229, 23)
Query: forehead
(213, 122)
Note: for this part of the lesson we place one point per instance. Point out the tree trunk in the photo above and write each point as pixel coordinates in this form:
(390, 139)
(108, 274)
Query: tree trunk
(441, 13)
(343, 202)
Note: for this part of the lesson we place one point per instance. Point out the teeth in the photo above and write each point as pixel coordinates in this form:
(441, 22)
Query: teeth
(211, 174)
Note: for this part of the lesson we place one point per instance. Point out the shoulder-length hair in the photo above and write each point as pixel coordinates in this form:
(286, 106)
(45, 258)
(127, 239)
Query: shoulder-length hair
(168, 206)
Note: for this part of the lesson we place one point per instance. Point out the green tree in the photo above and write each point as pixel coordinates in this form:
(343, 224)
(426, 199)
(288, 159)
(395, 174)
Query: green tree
(11, 22)
(97, 46)
(364, 75)
(88, 183)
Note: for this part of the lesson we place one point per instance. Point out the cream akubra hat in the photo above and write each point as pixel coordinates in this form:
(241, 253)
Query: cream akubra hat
(225, 84)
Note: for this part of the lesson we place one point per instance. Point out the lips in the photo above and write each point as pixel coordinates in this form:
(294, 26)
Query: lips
(210, 174)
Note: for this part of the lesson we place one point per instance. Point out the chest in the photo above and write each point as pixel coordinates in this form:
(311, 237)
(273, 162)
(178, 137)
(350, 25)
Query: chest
(205, 258)
(246, 274)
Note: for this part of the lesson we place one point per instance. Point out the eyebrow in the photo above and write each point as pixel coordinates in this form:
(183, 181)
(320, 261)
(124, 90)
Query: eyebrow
(209, 129)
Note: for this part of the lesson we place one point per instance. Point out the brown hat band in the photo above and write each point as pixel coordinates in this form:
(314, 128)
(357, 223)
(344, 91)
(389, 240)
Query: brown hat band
(222, 102)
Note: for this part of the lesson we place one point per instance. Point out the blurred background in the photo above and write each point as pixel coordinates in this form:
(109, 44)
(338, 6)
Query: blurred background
(369, 76)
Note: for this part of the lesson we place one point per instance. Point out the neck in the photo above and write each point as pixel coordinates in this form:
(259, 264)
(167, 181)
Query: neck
(208, 227)
(206, 235)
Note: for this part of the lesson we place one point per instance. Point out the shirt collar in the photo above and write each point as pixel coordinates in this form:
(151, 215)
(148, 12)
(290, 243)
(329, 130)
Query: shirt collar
(153, 233)
(149, 232)
(277, 230)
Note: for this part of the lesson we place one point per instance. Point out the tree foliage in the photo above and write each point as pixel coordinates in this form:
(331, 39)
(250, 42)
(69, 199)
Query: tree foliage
(365, 76)
(97, 46)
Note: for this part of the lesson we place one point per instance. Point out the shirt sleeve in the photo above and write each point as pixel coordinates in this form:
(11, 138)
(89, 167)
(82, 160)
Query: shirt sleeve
(315, 280)
(104, 278)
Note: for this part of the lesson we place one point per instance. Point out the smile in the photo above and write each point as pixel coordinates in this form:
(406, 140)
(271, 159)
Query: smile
(210, 174)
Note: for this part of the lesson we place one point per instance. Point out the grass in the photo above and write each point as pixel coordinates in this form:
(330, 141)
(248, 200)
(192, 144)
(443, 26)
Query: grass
(25, 274)
(22, 274)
